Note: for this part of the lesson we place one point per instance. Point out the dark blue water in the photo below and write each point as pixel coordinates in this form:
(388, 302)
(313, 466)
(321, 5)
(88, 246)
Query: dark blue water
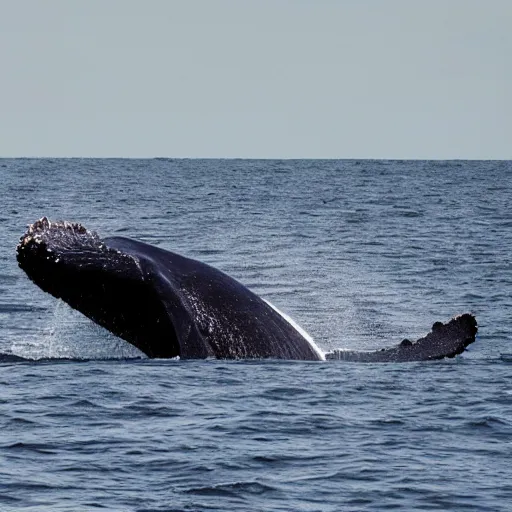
(360, 253)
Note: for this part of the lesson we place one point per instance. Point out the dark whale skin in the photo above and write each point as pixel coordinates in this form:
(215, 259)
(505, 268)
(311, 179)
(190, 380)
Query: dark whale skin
(163, 303)
(168, 305)
(444, 340)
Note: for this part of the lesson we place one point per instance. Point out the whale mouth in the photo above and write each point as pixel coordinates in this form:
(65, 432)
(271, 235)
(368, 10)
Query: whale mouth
(106, 285)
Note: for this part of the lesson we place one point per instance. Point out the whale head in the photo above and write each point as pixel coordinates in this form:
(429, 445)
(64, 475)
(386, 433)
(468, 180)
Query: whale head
(108, 286)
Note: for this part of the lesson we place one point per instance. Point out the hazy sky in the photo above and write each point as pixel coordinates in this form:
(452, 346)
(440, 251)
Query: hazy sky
(262, 78)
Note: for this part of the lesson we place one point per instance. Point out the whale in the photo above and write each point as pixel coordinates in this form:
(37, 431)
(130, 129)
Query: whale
(171, 306)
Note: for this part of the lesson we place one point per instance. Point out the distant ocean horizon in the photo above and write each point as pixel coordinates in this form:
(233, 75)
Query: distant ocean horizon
(253, 159)
(360, 253)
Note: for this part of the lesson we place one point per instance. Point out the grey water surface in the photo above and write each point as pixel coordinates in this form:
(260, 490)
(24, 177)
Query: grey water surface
(360, 253)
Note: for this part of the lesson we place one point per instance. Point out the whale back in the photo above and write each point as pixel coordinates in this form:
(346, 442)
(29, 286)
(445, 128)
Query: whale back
(213, 314)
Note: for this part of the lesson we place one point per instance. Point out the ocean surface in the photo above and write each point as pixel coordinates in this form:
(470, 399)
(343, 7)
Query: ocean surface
(360, 253)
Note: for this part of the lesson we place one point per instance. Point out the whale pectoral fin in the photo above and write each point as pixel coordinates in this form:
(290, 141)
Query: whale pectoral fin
(444, 340)
(447, 340)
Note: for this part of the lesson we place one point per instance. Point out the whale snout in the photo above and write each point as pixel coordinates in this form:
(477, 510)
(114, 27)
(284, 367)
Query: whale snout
(33, 249)
(51, 253)
(47, 242)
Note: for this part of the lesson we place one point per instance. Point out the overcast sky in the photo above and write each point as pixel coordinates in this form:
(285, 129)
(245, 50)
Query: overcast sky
(262, 78)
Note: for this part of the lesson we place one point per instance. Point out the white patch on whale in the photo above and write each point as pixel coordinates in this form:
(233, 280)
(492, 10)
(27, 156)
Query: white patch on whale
(300, 330)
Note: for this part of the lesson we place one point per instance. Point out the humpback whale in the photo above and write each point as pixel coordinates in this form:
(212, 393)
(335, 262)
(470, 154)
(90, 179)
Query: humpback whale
(168, 305)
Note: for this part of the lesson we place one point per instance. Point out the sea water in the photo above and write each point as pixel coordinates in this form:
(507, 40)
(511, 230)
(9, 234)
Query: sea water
(361, 254)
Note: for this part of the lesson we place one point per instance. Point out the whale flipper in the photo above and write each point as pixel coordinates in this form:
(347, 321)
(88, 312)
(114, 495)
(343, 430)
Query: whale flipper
(444, 340)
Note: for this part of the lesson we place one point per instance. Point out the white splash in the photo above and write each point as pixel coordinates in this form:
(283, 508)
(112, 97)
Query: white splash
(69, 334)
(300, 330)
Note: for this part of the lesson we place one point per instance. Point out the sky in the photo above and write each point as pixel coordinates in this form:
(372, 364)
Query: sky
(256, 78)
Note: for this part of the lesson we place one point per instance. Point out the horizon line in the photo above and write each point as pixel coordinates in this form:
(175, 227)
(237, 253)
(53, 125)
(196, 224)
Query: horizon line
(402, 159)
